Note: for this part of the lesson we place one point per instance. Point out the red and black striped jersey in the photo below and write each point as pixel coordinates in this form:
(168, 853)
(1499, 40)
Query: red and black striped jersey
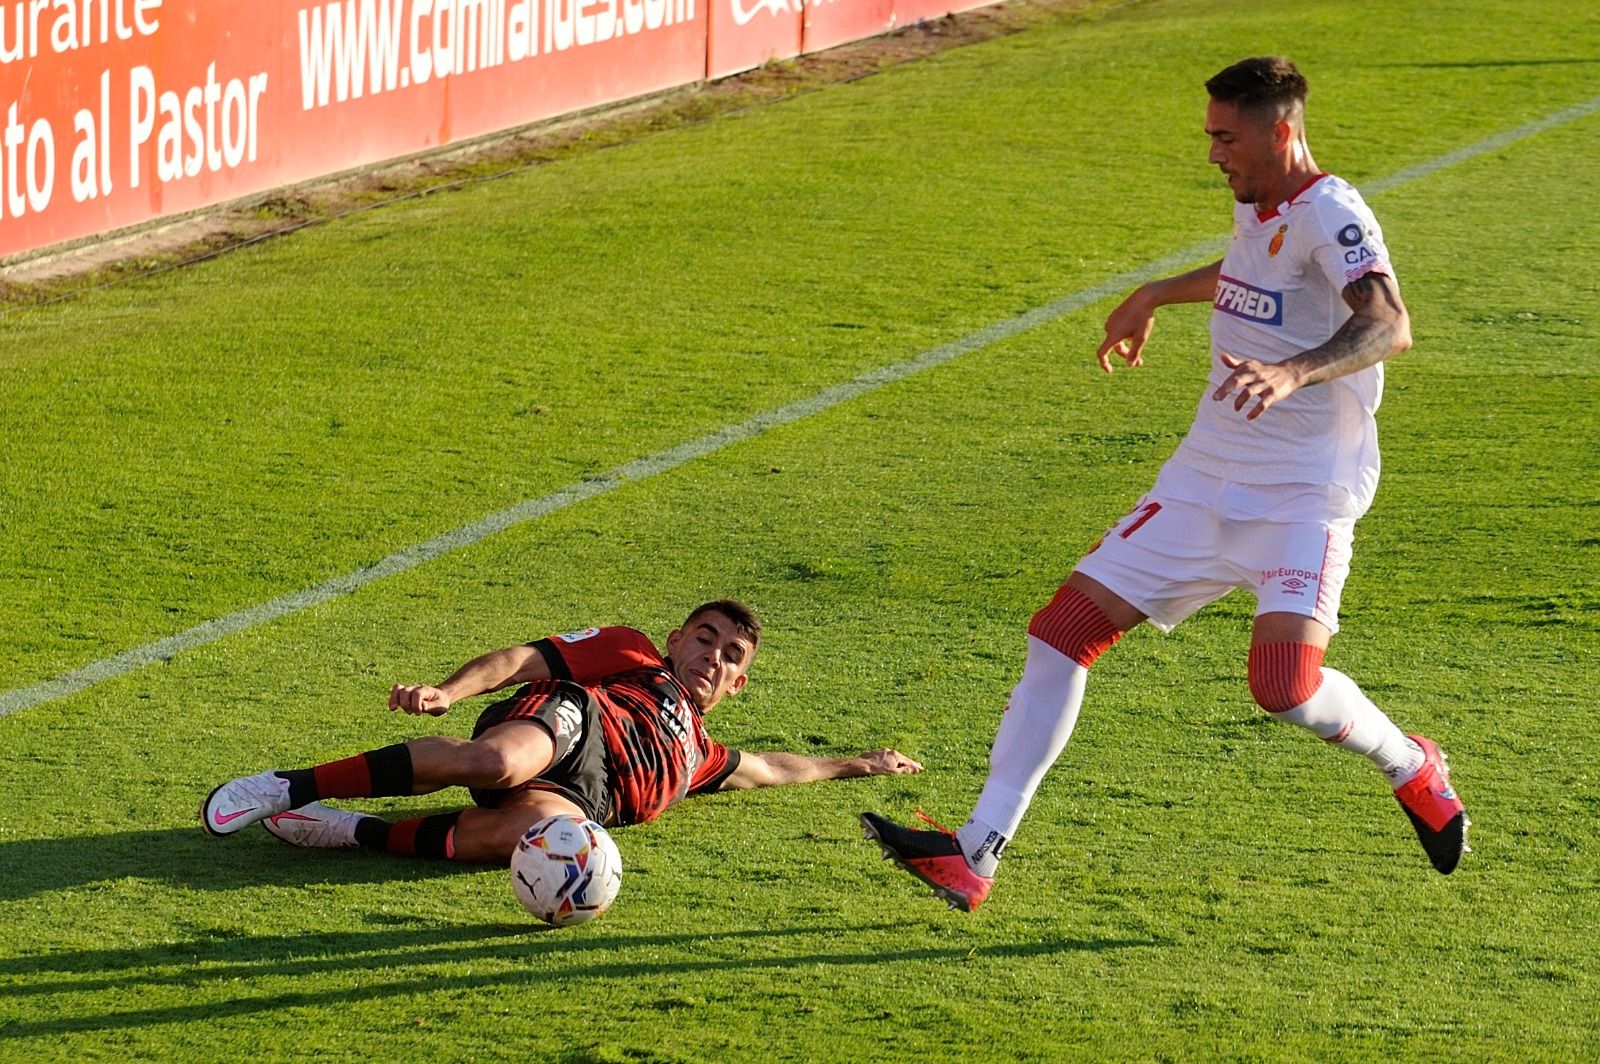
(657, 748)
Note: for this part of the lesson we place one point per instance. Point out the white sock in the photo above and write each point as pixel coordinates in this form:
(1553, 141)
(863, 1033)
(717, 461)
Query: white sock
(1033, 731)
(1342, 715)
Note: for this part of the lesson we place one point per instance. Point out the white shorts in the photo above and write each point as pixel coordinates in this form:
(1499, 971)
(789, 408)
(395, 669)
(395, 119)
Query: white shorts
(1196, 537)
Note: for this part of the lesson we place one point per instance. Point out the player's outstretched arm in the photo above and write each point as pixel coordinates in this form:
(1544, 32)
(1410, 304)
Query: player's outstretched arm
(1129, 326)
(488, 672)
(1379, 326)
(777, 769)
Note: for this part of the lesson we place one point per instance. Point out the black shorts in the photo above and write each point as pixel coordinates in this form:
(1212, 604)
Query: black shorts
(572, 717)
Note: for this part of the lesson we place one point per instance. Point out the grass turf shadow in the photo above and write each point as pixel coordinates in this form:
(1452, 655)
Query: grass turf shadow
(394, 961)
(190, 858)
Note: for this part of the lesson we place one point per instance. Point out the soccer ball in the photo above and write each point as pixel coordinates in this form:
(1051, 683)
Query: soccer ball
(566, 870)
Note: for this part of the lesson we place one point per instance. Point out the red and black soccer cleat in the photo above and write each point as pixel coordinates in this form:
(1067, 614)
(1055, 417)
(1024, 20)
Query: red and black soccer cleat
(933, 857)
(1435, 811)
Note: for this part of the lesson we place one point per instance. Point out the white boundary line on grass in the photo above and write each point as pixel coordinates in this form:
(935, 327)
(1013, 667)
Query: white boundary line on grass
(671, 458)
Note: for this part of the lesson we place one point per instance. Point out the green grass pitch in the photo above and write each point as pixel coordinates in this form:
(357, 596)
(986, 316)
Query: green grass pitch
(1193, 882)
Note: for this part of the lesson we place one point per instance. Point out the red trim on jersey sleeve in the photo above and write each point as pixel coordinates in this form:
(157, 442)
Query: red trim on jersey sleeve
(591, 656)
(718, 764)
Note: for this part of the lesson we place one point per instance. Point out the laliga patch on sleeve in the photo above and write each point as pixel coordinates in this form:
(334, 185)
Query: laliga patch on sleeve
(578, 637)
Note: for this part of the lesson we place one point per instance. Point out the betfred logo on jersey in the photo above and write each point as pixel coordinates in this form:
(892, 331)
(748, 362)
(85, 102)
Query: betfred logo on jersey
(1248, 302)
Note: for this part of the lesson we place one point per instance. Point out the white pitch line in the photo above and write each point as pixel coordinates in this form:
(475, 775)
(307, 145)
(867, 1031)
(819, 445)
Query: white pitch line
(661, 461)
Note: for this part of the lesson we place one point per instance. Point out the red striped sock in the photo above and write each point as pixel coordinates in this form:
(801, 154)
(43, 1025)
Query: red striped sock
(347, 778)
(1074, 625)
(383, 773)
(423, 836)
(1284, 675)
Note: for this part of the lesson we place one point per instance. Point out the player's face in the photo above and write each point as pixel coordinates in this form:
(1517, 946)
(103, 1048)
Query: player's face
(711, 657)
(1243, 147)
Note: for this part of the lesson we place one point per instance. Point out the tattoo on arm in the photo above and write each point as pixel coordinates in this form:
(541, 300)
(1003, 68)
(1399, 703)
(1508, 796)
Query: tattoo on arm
(1378, 327)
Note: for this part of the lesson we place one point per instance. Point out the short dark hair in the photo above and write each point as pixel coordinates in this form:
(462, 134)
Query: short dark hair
(743, 617)
(1263, 83)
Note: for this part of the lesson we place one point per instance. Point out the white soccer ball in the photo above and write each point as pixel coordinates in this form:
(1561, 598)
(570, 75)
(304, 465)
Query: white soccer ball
(566, 870)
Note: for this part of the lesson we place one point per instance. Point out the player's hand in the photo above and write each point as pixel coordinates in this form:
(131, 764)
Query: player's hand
(419, 698)
(887, 762)
(1263, 382)
(1127, 329)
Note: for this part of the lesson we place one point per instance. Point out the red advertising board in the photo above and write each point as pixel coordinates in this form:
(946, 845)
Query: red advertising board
(748, 33)
(910, 12)
(116, 112)
(832, 22)
(113, 112)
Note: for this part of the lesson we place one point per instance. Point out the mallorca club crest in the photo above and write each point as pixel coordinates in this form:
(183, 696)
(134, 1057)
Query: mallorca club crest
(1277, 241)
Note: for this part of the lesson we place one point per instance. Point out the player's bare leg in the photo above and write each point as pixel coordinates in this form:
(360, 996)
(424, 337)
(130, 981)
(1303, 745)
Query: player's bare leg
(475, 835)
(1288, 680)
(488, 836)
(1080, 622)
(503, 756)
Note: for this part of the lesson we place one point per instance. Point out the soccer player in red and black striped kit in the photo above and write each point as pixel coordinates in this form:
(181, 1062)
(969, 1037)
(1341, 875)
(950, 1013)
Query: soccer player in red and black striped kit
(1263, 493)
(604, 726)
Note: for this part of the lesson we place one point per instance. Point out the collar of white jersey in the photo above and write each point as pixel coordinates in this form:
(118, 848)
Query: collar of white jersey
(1267, 216)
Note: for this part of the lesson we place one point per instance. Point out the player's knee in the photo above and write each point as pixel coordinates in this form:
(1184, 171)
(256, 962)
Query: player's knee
(1284, 675)
(1075, 625)
(494, 766)
(508, 754)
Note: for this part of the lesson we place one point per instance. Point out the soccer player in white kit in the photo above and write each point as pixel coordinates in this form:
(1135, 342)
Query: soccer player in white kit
(1262, 494)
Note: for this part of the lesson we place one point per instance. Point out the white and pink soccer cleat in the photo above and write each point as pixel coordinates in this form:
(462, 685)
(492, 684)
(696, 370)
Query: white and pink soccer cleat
(241, 802)
(316, 825)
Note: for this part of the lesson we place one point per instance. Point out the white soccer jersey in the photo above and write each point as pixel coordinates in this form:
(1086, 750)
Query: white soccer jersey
(1280, 294)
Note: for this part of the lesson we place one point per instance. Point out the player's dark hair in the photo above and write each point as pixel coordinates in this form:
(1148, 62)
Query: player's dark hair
(743, 617)
(1265, 84)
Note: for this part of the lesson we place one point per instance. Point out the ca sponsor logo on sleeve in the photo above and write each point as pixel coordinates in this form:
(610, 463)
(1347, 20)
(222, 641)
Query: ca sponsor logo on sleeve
(1360, 254)
(578, 637)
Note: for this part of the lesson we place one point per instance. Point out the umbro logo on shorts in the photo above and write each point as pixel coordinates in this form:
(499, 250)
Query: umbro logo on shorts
(1248, 302)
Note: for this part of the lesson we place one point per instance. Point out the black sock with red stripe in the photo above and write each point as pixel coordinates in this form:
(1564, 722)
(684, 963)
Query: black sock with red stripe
(384, 773)
(426, 836)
